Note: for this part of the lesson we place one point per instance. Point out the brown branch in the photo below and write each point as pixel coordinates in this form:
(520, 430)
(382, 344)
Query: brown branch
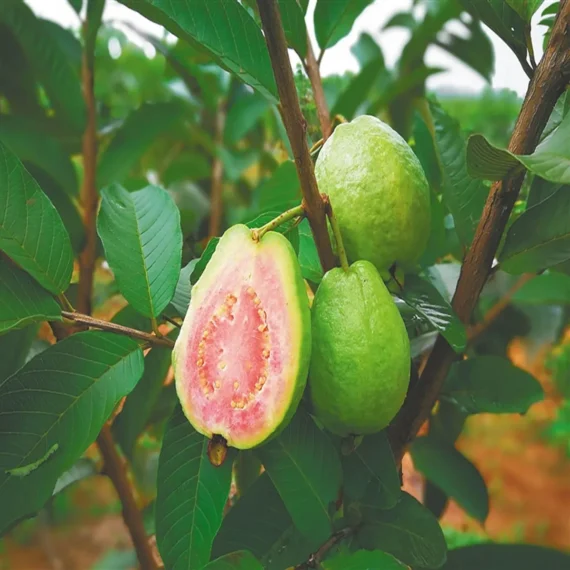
(296, 127)
(314, 73)
(493, 313)
(316, 558)
(216, 204)
(89, 196)
(115, 467)
(548, 83)
(94, 323)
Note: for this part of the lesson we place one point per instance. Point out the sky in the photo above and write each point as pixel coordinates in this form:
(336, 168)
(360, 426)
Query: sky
(338, 59)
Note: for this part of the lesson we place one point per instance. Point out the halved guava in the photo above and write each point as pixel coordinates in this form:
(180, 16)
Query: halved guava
(241, 359)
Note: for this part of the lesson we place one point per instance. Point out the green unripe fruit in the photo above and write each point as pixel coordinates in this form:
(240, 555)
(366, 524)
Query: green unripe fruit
(378, 191)
(360, 362)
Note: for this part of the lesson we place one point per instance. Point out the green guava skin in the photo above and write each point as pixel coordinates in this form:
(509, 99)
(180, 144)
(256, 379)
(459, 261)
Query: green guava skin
(378, 191)
(360, 361)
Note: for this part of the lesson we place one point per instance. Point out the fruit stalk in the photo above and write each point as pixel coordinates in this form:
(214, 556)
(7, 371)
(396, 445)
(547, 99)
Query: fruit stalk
(296, 127)
(295, 212)
(337, 237)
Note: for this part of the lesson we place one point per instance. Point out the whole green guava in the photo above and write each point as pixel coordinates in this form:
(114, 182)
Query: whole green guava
(360, 360)
(378, 191)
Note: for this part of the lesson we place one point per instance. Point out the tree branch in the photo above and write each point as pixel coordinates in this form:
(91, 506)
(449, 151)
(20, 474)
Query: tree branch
(296, 127)
(94, 323)
(89, 196)
(216, 188)
(117, 470)
(547, 84)
(314, 73)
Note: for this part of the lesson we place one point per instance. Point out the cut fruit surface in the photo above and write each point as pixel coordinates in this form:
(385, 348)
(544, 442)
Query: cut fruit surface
(242, 356)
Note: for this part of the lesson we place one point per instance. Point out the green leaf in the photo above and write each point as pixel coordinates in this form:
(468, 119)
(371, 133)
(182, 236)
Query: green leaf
(540, 238)
(463, 196)
(203, 261)
(22, 300)
(243, 115)
(260, 523)
(31, 231)
(502, 556)
(358, 89)
(76, 5)
(183, 291)
(31, 144)
(311, 268)
(408, 531)
(424, 298)
(363, 560)
(452, 473)
(491, 384)
(372, 463)
(82, 468)
(94, 15)
(488, 162)
(334, 20)
(503, 20)
(141, 235)
(541, 189)
(53, 408)
(240, 560)
(279, 192)
(191, 494)
(15, 347)
(525, 8)
(224, 29)
(305, 469)
(545, 289)
(50, 63)
(139, 131)
(476, 50)
(366, 50)
(293, 20)
(139, 404)
(64, 204)
(550, 160)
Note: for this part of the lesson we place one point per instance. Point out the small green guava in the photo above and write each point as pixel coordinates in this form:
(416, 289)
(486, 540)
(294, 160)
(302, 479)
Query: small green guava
(378, 191)
(360, 360)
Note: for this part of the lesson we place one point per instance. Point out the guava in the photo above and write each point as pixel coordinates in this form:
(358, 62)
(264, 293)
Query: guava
(242, 356)
(378, 192)
(360, 362)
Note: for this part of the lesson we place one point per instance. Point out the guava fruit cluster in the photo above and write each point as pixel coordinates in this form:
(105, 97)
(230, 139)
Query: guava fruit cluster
(250, 340)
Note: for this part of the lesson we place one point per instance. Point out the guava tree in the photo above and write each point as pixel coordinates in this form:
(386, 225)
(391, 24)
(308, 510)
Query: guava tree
(118, 175)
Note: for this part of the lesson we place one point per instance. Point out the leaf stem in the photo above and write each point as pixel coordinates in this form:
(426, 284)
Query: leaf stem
(316, 558)
(94, 323)
(65, 303)
(337, 235)
(296, 127)
(297, 211)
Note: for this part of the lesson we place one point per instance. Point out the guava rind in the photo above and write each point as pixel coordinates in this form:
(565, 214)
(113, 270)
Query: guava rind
(378, 191)
(235, 250)
(360, 361)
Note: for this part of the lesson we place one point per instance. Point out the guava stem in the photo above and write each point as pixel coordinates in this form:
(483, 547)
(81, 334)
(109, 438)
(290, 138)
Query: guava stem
(337, 237)
(316, 146)
(340, 118)
(295, 212)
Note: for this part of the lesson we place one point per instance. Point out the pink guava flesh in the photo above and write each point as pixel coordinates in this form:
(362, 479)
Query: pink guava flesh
(232, 371)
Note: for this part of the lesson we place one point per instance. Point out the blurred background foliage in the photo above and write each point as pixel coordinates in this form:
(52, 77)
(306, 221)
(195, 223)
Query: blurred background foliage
(175, 118)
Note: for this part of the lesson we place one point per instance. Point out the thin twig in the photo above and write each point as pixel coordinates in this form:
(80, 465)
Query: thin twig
(493, 313)
(171, 321)
(89, 196)
(316, 558)
(216, 188)
(116, 468)
(312, 68)
(94, 323)
(547, 84)
(296, 127)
